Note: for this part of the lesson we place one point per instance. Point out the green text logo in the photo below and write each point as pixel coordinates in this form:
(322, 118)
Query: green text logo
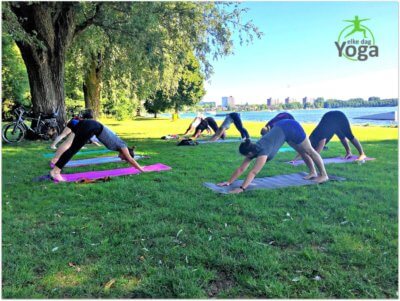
(356, 42)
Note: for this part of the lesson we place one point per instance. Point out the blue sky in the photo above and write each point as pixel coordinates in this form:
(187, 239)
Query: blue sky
(297, 56)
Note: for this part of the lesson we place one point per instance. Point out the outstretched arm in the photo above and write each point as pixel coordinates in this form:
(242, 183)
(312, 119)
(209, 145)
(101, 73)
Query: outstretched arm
(66, 131)
(197, 134)
(260, 162)
(218, 134)
(298, 156)
(128, 158)
(236, 174)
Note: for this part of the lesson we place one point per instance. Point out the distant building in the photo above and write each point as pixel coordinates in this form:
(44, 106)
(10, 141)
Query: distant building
(272, 102)
(228, 101)
(289, 100)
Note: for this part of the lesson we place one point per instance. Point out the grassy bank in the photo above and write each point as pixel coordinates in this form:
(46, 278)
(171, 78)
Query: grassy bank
(164, 235)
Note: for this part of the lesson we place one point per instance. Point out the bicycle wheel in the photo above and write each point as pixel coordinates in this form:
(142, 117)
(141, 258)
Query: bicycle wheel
(13, 133)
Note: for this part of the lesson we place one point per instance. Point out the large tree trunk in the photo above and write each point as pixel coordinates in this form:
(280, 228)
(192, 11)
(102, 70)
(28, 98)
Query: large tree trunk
(46, 77)
(44, 32)
(53, 25)
(92, 86)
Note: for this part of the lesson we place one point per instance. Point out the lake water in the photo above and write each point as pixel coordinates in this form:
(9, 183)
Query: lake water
(309, 116)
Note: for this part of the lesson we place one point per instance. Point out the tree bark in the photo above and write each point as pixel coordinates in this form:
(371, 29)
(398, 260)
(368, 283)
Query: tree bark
(49, 28)
(92, 85)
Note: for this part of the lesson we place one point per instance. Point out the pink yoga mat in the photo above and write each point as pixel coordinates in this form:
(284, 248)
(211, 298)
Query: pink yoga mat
(92, 175)
(332, 160)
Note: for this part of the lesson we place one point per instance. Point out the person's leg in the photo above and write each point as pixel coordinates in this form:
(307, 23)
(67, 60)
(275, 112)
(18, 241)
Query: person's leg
(238, 124)
(306, 148)
(62, 148)
(358, 146)
(307, 160)
(76, 145)
(346, 132)
(224, 126)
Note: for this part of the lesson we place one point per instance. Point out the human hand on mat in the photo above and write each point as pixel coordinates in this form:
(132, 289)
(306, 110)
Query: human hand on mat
(223, 184)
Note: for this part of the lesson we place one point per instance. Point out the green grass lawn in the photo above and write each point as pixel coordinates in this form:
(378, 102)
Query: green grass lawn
(163, 235)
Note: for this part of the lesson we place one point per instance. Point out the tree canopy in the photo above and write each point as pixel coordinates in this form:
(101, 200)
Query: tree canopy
(139, 45)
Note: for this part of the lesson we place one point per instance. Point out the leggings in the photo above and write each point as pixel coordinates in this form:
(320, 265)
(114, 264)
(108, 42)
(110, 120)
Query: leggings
(82, 135)
(235, 117)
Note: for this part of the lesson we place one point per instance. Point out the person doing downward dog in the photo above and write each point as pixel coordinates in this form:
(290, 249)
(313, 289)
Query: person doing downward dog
(335, 122)
(265, 149)
(85, 129)
(207, 124)
(270, 124)
(229, 119)
(195, 122)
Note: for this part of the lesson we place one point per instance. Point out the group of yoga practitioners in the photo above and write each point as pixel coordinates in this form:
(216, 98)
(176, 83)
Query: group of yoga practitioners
(282, 128)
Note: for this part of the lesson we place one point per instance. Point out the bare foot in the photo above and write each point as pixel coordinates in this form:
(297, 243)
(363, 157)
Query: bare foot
(361, 157)
(310, 176)
(56, 176)
(321, 179)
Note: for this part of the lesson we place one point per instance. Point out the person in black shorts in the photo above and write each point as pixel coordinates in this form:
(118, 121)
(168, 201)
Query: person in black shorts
(207, 124)
(270, 124)
(335, 123)
(83, 130)
(229, 119)
(265, 149)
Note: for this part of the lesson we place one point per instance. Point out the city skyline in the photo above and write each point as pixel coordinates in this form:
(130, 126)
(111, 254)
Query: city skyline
(297, 56)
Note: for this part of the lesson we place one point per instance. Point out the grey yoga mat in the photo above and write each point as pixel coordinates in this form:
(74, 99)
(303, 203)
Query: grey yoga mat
(336, 160)
(280, 181)
(220, 141)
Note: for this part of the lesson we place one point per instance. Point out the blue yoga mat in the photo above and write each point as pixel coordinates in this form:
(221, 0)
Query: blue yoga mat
(99, 160)
(88, 152)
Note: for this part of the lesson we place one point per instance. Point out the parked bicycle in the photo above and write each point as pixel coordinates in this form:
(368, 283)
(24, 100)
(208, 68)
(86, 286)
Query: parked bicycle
(43, 126)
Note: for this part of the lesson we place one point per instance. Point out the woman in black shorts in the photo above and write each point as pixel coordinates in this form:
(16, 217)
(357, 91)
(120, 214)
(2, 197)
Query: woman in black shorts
(207, 124)
(335, 123)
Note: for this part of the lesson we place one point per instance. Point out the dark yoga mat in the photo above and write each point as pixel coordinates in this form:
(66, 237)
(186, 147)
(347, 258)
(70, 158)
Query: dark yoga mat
(98, 160)
(274, 182)
(337, 160)
(88, 152)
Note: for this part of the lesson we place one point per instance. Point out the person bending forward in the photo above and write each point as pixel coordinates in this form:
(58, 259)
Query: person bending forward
(265, 149)
(85, 129)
